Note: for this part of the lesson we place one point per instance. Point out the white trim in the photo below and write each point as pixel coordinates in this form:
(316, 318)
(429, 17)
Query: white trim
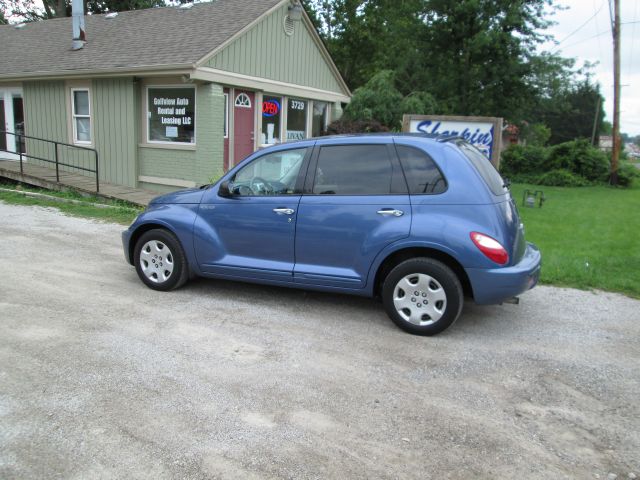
(256, 83)
(7, 94)
(225, 133)
(242, 105)
(148, 117)
(164, 70)
(75, 116)
(173, 182)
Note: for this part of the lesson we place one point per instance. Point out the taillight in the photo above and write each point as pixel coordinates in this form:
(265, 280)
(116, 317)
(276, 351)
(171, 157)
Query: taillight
(490, 247)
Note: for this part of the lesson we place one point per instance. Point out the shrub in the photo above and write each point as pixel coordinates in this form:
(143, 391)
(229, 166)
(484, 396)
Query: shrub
(580, 158)
(343, 126)
(561, 178)
(520, 160)
(627, 174)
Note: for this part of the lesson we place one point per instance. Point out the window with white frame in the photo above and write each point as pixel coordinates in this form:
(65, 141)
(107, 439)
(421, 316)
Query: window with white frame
(171, 114)
(81, 113)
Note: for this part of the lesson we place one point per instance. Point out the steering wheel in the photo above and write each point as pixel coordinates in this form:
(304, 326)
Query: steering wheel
(259, 185)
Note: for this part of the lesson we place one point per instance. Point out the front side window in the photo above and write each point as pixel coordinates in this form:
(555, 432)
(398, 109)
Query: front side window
(421, 171)
(296, 119)
(273, 174)
(171, 113)
(271, 118)
(353, 170)
(81, 111)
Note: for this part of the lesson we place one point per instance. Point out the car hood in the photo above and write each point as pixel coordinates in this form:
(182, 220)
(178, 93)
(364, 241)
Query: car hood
(193, 195)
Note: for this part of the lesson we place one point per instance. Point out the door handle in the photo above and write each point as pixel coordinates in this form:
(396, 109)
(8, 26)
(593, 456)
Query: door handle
(284, 211)
(390, 211)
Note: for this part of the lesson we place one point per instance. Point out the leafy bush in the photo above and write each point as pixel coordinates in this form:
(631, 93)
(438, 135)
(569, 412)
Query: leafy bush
(627, 174)
(561, 178)
(570, 164)
(580, 158)
(343, 126)
(522, 160)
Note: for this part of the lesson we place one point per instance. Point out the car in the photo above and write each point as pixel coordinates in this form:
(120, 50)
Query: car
(420, 222)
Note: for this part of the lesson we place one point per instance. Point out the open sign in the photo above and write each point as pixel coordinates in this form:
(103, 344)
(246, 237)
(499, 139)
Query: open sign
(270, 108)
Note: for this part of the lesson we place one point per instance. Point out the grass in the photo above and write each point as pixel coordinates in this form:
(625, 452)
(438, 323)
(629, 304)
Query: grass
(121, 212)
(589, 236)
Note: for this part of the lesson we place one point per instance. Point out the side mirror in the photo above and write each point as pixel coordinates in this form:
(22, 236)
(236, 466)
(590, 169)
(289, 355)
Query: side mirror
(223, 189)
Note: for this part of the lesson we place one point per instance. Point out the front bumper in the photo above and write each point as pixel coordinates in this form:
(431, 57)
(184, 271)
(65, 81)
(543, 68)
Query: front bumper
(126, 238)
(494, 285)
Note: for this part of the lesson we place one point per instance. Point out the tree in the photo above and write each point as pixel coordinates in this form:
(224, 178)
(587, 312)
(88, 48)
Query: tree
(379, 100)
(365, 37)
(477, 55)
(570, 111)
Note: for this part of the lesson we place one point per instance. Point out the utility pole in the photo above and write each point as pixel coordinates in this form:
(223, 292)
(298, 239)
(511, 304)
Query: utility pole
(615, 153)
(595, 123)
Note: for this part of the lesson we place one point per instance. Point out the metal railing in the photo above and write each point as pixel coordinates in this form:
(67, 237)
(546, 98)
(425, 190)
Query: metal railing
(23, 155)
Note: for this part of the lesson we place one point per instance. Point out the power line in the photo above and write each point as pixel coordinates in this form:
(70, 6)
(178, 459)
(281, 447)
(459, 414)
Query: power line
(582, 26)
(593, 36)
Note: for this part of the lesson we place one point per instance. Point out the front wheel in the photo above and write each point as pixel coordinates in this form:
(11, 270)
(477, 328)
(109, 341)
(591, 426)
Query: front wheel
(422, 296)
(160, 261)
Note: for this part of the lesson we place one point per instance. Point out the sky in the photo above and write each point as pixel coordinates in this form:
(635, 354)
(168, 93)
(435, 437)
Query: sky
(584, 33)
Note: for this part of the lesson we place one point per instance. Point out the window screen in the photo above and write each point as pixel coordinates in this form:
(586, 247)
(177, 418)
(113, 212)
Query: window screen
(353, 170)
(421, 171)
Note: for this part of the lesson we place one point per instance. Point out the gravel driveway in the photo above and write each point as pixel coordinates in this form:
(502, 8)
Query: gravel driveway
(101, 377)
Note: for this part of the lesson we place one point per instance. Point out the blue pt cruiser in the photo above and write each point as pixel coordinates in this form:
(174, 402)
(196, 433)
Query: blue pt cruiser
(420, 222)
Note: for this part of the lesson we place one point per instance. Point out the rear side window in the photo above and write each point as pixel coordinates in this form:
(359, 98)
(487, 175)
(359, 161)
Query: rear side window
(353, 170)
(421, 171)
(485, 168)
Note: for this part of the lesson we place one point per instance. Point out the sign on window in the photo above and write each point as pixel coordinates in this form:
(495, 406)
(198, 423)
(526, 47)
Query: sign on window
(171, 114)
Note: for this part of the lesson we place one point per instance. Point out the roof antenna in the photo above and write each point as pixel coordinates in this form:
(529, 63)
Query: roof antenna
(79, 38)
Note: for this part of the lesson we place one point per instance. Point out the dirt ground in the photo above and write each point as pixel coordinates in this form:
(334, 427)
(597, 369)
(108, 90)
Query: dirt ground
(101, 377)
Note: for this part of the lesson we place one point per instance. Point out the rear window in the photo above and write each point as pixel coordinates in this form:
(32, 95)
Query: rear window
(421, 171)
(485, 168)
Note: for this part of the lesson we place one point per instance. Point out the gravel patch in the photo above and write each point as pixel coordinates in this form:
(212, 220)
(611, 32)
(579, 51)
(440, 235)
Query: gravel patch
(101, 377)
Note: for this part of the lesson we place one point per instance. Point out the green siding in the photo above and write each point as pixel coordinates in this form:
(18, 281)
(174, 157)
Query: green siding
(45, 117)
(114, 129)
(113, 117)
(266, 51)
(197, 165)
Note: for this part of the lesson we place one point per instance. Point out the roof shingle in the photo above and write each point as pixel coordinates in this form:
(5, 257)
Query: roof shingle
(133, 39)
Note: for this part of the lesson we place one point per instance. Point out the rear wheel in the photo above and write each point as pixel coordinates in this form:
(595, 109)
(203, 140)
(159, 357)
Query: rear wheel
(422, 296)
(160, 261)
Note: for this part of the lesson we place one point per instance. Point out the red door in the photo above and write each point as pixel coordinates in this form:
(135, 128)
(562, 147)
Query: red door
(243, 124)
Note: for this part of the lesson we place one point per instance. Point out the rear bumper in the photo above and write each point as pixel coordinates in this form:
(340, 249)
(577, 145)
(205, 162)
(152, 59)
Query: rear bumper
(491, 286)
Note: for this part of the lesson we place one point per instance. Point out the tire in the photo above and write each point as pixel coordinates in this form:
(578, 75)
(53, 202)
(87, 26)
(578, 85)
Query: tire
(160, 260)
(422, 296)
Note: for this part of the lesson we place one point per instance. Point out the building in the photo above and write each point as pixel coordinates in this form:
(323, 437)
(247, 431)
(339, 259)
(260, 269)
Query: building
(169, 97)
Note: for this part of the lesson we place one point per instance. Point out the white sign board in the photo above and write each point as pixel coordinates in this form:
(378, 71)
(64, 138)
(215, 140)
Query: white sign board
(482, 132)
